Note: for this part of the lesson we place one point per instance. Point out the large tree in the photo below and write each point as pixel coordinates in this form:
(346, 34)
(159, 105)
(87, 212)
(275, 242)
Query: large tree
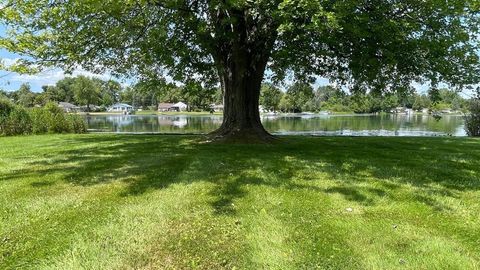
(25, 96)
(63, 90)
(367, 44)
(109, 91)
(299, 94)
(86, 91)
(270, 97)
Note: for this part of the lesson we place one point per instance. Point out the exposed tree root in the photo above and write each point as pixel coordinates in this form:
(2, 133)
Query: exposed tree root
(256, 135)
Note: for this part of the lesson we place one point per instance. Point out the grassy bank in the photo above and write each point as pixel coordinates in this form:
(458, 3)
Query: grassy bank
(155, 202)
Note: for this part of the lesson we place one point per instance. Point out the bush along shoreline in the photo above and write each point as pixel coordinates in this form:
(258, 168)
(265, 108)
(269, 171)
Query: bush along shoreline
(472, 120)
(17, 120)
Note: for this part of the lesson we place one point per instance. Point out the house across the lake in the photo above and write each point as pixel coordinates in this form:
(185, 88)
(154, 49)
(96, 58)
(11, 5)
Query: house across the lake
(120, 107)
(216, 107)
(402, 110)
(179, 107)
(164, 107)
(69, 107)
(447, 111)
(172, 107)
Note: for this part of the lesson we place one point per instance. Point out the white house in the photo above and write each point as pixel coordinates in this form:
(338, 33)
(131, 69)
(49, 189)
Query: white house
(447, 111)
(164, 107)
(262, 109)
(168, 107)
(216, 107)
(120, 107)
(179, 106)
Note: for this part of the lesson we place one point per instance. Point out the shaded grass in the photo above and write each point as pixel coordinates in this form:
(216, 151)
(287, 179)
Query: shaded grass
(169, 202)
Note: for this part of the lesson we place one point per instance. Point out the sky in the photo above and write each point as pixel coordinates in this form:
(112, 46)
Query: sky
(11, 81)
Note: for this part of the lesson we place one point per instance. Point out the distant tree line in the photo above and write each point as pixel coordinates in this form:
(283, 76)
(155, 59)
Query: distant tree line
(81, 90)
(147, 94)
(298, 97)
(302, 97)
(86, 91)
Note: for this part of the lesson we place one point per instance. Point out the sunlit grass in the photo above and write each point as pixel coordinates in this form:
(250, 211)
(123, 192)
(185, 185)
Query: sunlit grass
(156, 202)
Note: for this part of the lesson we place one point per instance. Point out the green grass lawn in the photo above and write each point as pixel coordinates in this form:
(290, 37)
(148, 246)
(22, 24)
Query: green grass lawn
(156, 202)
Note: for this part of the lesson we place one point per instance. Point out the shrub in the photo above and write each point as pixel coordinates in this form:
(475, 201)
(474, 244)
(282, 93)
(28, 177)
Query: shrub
(77, 123)
(16, 120)
(472, 120)
(56, 119)
(6, 107)
(39, 121)
(19, 122)
(52, 119)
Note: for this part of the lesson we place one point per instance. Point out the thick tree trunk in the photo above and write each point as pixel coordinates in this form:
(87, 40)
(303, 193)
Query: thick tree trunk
(241, 82)
(241, 63)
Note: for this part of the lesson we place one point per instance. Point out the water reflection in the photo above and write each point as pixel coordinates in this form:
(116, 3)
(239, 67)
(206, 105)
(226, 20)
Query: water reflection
(340, 125)
(153, 123)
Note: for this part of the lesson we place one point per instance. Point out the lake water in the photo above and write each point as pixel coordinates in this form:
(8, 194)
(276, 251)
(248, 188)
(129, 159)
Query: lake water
(337, 125)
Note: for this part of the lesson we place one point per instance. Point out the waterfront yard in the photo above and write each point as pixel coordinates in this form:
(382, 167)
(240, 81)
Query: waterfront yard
(155, 202)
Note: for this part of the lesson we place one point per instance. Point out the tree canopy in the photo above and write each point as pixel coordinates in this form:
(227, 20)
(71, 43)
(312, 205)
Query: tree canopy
(365, 44)
(375, 42)
(270, 97)
(86, 91)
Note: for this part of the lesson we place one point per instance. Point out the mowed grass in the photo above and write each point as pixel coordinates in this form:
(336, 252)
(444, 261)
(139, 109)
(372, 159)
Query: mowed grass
(173, 202)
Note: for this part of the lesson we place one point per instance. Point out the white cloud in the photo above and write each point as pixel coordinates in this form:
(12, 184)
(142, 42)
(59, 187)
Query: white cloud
(51, 77)
(47, 77)
(9, 61)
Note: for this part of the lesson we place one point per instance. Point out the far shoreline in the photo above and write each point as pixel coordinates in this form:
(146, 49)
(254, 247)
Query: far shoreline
(147, 113)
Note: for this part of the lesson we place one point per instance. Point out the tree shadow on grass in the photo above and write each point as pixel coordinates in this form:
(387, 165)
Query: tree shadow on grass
(42, 184)
(228, 191)
(363, 171)
(438, 166)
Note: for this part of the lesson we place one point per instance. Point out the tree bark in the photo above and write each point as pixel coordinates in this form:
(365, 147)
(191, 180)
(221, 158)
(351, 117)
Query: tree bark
(241, 62)
(241, 82)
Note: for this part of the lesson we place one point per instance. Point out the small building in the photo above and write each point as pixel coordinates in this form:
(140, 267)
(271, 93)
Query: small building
(69, 107)
(409, 111)
(216, 107)
(164, 107)
(400, 110)
(179, 107)
(446, 111)
(262, 109)
(172, 107)
(120, 107)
